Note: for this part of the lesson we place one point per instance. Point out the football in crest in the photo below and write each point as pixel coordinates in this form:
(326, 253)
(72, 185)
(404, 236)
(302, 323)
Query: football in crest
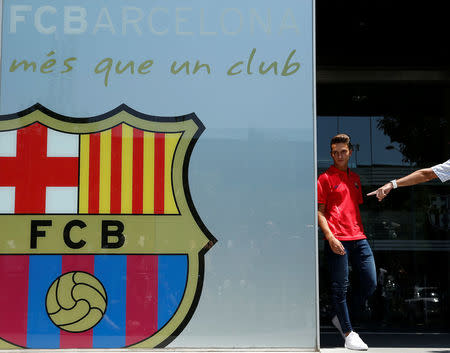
(76, 301)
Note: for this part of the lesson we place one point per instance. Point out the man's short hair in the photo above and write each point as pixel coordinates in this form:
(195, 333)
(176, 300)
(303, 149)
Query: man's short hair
(342, 138)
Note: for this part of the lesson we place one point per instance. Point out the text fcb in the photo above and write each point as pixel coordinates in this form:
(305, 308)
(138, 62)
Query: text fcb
(100, 244)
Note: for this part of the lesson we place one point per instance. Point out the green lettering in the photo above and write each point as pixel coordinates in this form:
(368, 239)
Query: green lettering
(106, 68)
(230, 70)
(288, 65)
(250, 60)
(67, 65)
(144, 66)
(198, 66)
(129, 65)
(175, 70)
(45, 67)
(26, 65)
(263, 71)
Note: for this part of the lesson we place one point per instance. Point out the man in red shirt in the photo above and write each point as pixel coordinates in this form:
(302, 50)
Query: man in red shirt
(339, 197)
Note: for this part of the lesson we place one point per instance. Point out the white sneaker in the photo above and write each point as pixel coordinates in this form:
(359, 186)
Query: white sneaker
(354, 342)
(337, 324)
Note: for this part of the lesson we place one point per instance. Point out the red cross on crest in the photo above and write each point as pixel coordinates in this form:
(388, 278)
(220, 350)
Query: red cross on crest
(31, 170)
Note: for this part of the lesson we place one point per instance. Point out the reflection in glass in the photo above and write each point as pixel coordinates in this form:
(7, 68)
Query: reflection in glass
(408, 231)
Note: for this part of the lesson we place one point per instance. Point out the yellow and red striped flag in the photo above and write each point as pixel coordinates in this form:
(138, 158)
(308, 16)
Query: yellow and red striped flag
(125, 170)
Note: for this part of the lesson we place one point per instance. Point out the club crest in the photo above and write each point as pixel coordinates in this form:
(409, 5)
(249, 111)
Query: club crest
(100, 243)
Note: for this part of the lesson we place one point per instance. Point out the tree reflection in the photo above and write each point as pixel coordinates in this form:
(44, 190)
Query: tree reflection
(422, 139)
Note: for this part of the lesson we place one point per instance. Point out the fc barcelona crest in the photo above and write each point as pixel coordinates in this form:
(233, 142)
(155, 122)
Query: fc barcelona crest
(100, 243)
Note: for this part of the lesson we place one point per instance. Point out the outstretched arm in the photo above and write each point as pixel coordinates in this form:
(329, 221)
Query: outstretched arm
(417, 177)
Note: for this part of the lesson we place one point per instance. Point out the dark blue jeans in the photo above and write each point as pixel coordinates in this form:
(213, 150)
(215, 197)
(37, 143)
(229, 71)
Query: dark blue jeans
(360, 256)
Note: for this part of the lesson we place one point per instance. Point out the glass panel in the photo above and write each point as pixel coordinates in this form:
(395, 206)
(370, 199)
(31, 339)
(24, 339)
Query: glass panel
(327, 127)
(359, 130)
(384, 150)
(408, 232)
(171, 157)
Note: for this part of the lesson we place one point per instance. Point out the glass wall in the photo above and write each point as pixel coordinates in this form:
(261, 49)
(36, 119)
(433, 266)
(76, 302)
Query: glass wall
(163, 152)
(409, 230)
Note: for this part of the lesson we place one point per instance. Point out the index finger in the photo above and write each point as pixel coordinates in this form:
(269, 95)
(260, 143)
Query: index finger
(372, 193)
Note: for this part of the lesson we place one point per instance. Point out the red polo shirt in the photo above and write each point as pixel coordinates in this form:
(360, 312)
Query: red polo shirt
(341, 194)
